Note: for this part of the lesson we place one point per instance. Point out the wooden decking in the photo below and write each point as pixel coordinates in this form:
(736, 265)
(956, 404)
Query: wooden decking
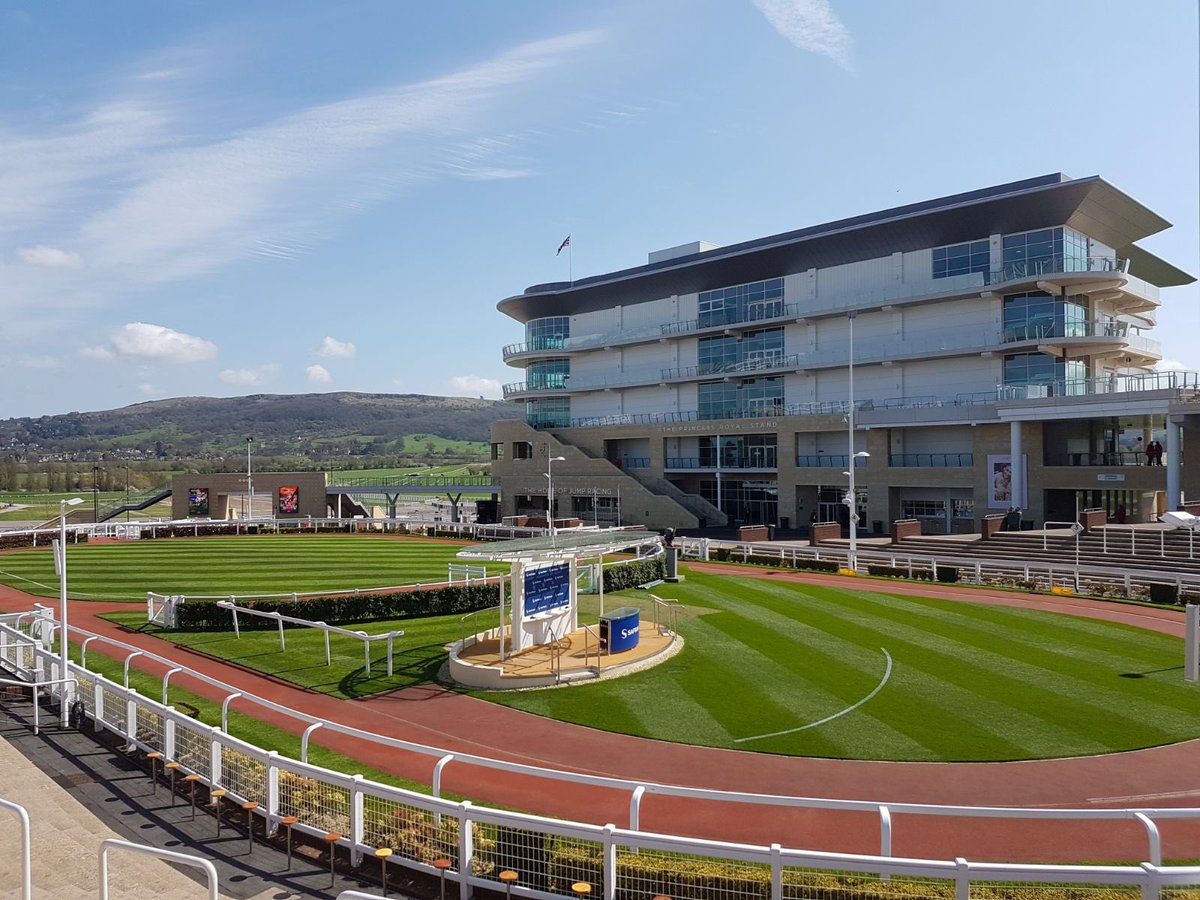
(578, 656)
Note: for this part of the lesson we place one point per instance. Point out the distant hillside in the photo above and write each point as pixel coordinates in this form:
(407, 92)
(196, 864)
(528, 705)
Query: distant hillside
(310, 425)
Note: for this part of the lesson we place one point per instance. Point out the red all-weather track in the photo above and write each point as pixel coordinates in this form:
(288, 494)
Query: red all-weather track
(1159, 777)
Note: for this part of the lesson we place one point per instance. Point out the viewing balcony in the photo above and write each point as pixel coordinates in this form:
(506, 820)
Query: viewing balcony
(1104, 459)
(741, 463)
(759, 366)
(1094, 338)
(828, 461)
(931, 460)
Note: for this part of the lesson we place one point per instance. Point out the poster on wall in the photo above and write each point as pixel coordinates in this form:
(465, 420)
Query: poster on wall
(999, 475)
(197, 502)
(289, 499)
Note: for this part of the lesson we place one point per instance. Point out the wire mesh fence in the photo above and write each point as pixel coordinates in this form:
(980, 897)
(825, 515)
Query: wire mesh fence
(543, 860)
(243, 775)
(114, 710)
(149, 728)
(193, 751)
(316, 803)
(686, 876)
(409, 831)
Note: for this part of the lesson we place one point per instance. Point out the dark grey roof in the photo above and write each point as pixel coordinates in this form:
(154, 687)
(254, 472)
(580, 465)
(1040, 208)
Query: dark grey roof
(1090, 204)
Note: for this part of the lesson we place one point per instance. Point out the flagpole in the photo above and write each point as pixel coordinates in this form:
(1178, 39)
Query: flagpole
(571, 262)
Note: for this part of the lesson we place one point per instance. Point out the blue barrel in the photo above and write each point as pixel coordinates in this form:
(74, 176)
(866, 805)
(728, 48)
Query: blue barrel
(620, 629)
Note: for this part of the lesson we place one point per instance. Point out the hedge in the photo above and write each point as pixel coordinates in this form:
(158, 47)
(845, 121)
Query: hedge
(42, 538)
(205, 615)
(631, 574)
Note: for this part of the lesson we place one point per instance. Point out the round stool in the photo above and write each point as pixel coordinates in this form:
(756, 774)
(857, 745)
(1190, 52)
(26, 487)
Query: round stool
(442, 864)
(331, 840)
(192, 779)
(216, 794)
(172, 767)
(154, 756)
(250, 806)
(382, 855)
(508, 876)
(581, 889)
(287, 822)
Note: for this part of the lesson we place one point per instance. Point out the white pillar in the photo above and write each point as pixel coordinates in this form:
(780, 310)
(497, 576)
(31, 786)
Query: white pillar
(1017, 481)
(1174, 466)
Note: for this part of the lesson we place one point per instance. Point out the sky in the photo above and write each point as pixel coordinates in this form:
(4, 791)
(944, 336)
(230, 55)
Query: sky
(219, 199)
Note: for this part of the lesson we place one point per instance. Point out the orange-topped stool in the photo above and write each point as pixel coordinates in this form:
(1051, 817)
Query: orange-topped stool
(442, 864)
(382, 855)
(331, 839)
(287, 822)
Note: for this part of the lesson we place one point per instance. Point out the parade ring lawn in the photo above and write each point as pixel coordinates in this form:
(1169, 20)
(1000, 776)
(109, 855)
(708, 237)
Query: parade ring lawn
(965, 682)
(254, 564)
(807, 670)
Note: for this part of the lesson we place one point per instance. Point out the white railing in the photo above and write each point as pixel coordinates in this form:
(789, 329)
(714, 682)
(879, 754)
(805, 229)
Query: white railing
(1035, 574)
(22, 816)
(171, 856)
(279, 618)
(465, 573)
(366, 813)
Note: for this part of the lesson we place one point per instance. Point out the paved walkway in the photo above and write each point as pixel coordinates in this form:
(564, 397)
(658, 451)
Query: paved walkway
(1165, 776)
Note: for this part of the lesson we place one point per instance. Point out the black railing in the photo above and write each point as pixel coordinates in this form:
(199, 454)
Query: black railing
(1104, 458)
(828, 461)
(729, 462)
(931, 460)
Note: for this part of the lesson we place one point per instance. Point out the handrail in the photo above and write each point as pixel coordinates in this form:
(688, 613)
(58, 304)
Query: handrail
(179, 859)
(22, 815)
(63, 711)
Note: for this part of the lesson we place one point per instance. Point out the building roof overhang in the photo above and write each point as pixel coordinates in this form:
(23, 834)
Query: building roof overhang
(1091, 205)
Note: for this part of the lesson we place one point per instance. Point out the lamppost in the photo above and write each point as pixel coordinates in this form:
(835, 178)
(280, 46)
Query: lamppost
(851, 499)
(61, 559)
(95, 493)
(550, 460)
(126, 492)
(249, 481)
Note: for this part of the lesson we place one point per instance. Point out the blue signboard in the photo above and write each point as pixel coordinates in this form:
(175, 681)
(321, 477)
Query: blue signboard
(547, 588)
(620, 629)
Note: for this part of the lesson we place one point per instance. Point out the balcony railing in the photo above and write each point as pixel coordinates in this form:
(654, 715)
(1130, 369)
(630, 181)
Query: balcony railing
(739, 462)
(1048, 328)
(741, 367)
(828, 461)
(1113, 384)
(1057, 265)
(1106, 458)
(542, 344)
(931, 460)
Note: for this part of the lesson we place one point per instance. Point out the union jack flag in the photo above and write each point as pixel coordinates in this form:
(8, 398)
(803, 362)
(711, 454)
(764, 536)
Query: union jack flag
(566, 243)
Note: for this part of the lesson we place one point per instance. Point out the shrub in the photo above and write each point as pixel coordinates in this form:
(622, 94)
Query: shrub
(633, 573)
(887, 571)
(947, 574)
(817, 565)
(205, 615)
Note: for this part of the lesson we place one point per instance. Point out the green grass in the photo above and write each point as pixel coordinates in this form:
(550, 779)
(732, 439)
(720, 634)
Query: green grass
(416, 656)
(968, 682)
(231, 565)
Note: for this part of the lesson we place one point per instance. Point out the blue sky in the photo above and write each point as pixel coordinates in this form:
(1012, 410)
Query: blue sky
(207, 198)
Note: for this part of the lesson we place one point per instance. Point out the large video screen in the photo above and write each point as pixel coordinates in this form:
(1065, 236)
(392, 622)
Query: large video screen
(289, 499)
(547, 588)
(197, 502)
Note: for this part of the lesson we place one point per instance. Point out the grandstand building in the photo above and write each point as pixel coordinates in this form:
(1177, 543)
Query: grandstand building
(1002, 356)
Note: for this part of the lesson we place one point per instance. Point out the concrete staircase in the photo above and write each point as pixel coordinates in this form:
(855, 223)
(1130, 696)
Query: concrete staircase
(698, 506)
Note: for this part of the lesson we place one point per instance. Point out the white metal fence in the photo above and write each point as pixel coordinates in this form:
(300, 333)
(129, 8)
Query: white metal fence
(1038, 575)
(550, 854)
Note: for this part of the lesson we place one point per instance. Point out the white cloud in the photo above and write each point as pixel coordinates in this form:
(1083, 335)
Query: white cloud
(318, 375)
(331, 348)
(150, 390)
(811, 25)
(248, 377)
(141, 340)
(475, 386)
(1168, 365)
(49, 257)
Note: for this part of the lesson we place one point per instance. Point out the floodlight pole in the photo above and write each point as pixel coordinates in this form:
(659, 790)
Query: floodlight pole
(249, 481)
(64, 646)
(550, 460)
(851, 496)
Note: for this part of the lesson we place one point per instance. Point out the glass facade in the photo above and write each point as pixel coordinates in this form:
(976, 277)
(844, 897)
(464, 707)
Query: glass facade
(742, 303)
(739, 451)
(1040, 370)
(745, 502)
(548, 333)
(547, 374)
(1037, 314)
(752, 397)
(726, 353)
(1045, 250)
(959, 259)
(552, 413)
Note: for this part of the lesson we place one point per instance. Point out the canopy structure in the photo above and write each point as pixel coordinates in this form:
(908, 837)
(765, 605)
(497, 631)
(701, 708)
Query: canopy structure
(564, 545)
(543, 594)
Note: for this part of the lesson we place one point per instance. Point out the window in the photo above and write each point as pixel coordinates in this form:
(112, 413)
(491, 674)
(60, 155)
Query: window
(1037, 314)
(962, 509)
(522, 450)
(717, 354)
(548, 333)
(729, 400)
(742, 303)
(924, 509)
(552, 413)
(959, 259)
(739, 451)
(1055, 375)
(761, 347)
(752, 502)
(1047, 250)
(498, 451)
(547, 374)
